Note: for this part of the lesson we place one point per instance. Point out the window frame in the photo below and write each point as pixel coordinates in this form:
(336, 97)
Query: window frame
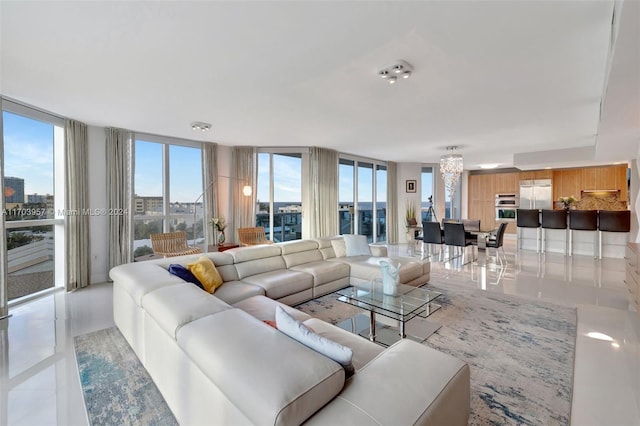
(375, 166)
(304, 182)
(166, 143)
(59, 167)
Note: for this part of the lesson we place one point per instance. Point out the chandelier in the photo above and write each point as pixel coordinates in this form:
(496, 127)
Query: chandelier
(451, 169)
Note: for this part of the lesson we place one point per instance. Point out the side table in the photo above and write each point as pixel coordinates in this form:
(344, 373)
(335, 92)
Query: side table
(221, 248)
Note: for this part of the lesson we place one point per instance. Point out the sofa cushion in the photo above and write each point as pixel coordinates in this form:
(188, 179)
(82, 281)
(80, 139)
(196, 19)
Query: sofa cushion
(363, 349)
(182, 272)
(252, 267)
(298, 331)
(281, 283)
(324, 272)
(367, 268)
(173, 306)
(356, 245)
(270, 377)
(407, 384)
(235, 291)
(140, 278)
(300, 252)
(264, 309)
(205, 271)
(339, 247)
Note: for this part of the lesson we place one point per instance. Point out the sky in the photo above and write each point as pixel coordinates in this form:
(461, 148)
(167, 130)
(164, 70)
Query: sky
(29, 155)
(185, 171)
(28, 152)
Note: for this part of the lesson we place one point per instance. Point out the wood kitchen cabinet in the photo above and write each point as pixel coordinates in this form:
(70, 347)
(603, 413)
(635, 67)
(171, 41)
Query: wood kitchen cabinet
(568, 182)
(483, 188)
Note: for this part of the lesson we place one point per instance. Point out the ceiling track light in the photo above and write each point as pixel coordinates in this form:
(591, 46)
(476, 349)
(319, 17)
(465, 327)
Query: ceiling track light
(199, 125)
(399, 68)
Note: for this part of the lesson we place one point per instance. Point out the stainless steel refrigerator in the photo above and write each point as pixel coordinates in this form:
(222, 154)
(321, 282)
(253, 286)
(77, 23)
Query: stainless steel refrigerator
(536, 194)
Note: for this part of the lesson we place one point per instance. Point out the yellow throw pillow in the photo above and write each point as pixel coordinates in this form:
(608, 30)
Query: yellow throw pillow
(205, 271)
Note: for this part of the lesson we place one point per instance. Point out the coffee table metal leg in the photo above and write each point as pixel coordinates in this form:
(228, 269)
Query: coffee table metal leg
(402, 333)
(372, 326)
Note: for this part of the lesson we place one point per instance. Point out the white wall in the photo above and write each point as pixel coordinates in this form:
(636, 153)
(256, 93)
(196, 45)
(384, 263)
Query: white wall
(98, 225)
(407, 171)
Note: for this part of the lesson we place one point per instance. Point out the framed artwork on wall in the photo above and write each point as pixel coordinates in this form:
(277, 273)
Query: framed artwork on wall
(411, 185)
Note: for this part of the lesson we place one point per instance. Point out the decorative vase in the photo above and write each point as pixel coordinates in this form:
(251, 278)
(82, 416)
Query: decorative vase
(221, 238)
(389, 278)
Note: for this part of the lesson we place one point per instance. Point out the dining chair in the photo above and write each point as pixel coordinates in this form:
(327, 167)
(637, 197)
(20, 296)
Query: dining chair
(432, 234)
(496, 242)
(455, 235)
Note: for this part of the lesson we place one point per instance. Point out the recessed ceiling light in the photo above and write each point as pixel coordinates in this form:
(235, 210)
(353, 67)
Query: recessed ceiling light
(489, 166)
(199, 125)
(397, 69)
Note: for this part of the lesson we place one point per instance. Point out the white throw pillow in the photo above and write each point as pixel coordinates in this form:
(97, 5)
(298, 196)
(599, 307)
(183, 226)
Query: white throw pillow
(357, 245)
(298, 331)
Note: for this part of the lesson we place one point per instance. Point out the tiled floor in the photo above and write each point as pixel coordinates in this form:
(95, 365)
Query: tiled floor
(39, 382)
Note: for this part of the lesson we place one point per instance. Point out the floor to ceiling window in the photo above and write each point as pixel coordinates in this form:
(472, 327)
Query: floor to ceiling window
(279, 194)
(33, 147)
(167, 184)
(427, 201)
(362, 198)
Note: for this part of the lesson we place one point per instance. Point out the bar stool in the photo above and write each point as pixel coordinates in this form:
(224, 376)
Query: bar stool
(554, 219)
(528, 218)
(612, 221)
(583, 220)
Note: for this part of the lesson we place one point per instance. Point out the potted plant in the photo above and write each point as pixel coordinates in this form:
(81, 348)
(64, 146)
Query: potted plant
(410, 213)
(567, 201)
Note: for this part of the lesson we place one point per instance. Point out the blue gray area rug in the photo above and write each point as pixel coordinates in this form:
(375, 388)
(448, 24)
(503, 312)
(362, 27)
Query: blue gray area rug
(520, 351)
(117, 389)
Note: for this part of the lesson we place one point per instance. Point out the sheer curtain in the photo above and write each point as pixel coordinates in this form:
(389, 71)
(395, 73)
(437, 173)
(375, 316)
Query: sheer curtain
(78, 258)
(392, 203)
(243, 163)
(209, 179)
(119, 182)
(322, 217)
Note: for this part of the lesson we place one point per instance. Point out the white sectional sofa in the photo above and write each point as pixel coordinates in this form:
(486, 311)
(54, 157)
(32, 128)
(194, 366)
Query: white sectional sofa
(216, 361)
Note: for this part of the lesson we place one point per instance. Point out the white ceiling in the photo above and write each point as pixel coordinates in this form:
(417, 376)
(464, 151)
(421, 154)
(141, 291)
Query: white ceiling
(496, 78)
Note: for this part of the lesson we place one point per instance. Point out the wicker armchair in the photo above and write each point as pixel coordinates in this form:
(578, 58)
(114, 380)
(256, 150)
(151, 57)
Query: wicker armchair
(252, 236)
(172, 244)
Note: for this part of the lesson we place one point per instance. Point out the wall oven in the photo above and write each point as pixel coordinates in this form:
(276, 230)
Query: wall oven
(506, 206)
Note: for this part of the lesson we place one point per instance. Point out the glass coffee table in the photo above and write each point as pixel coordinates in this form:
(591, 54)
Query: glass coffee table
(389, 315)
